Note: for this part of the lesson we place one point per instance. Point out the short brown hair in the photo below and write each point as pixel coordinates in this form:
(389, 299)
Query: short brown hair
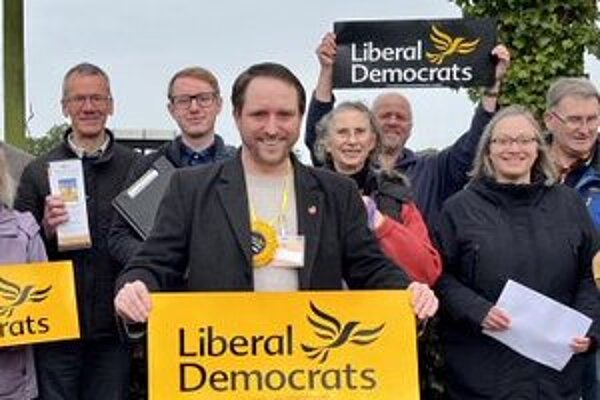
(265, 70)
(196, 72)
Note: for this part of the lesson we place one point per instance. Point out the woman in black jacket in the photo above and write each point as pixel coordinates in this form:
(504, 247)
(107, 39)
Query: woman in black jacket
(512, 222)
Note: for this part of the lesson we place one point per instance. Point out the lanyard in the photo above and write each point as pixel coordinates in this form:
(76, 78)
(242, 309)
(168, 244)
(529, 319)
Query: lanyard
(282, 208)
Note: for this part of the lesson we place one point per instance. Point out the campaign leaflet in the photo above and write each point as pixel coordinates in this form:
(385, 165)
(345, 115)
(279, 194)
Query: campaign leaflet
(67, 182)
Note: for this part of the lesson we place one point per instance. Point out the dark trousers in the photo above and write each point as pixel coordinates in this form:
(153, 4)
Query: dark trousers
(82, 370)
(590, 379)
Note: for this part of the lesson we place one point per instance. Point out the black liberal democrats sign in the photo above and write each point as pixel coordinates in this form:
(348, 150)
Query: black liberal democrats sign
(448, 52)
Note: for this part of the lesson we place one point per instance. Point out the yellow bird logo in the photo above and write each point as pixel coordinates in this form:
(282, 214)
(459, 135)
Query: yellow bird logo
(330, 329)
(449, 46)
(16, 296)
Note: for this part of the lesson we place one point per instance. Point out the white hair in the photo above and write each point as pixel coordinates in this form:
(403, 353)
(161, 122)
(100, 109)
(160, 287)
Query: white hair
(7, 187)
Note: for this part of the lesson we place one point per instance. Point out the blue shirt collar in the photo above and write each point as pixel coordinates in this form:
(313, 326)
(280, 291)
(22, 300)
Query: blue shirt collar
(190, 157)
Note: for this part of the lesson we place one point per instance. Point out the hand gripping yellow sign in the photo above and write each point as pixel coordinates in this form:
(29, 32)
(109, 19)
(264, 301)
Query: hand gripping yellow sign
(37, 303)
(285, 346)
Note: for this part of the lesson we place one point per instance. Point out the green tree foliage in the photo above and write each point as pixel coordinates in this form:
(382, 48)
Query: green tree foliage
(41, 145)
(547, 40)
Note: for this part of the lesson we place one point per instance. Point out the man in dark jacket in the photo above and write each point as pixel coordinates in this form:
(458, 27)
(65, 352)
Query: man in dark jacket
(95, 366)
(194, 103)
(222, 225)
(572, 118)
(434, 176)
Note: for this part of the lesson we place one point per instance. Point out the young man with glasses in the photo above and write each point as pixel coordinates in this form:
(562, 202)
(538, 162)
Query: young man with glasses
(97, 365)
(194, 103)
(572, 118)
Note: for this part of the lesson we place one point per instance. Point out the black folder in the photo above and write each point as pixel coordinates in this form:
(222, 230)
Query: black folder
(139, 203)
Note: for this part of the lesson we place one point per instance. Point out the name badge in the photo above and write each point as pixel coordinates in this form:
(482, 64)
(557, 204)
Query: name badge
(290, 253)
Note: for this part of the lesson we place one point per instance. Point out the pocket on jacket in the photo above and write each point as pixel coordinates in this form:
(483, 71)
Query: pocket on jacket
(470, 263)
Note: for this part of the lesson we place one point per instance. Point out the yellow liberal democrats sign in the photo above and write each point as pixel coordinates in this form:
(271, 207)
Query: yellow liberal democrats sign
(302, 345)
(37, 303)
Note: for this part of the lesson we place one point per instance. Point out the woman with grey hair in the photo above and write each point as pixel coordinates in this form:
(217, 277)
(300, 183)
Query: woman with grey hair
(513, 221)
(347, 141)
(20, 242)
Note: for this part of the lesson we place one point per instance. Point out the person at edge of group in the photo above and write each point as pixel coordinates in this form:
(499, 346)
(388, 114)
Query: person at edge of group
(263, 191)
(16, 159)
(20, 243)
(572, 120)
(348, 139)
(194, 103)
(96, 366)
(433, 176)
(512, 221)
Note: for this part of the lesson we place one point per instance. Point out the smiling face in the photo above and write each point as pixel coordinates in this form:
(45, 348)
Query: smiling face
(350, 140)
(394, 115)
(195, 117)
(574, 125)
(513, 149)
(88, 104)
(269, 123)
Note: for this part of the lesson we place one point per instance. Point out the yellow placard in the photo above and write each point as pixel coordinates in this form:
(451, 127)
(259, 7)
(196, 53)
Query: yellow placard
(285, 346)
(37, 303)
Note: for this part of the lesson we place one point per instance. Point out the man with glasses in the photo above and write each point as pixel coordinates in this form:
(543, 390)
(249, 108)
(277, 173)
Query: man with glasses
(572, 118)
(434, 176)
(97, 365)
(252, 202)
(194, 103)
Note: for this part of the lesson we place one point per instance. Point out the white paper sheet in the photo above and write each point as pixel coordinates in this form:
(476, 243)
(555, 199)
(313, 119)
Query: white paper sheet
(541, 328)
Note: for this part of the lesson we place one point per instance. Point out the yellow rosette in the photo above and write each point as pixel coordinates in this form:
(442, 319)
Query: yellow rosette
(264, 243)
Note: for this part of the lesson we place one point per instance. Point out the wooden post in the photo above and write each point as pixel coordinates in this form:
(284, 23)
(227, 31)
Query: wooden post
(14, 73)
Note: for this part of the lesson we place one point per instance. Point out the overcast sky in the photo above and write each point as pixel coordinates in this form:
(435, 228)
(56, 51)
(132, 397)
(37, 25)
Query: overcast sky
(142, 43)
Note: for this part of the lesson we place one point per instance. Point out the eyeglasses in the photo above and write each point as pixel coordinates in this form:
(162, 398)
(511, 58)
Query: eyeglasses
(96, 100)
(184, 102)
(577, 121)
(506, 141)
